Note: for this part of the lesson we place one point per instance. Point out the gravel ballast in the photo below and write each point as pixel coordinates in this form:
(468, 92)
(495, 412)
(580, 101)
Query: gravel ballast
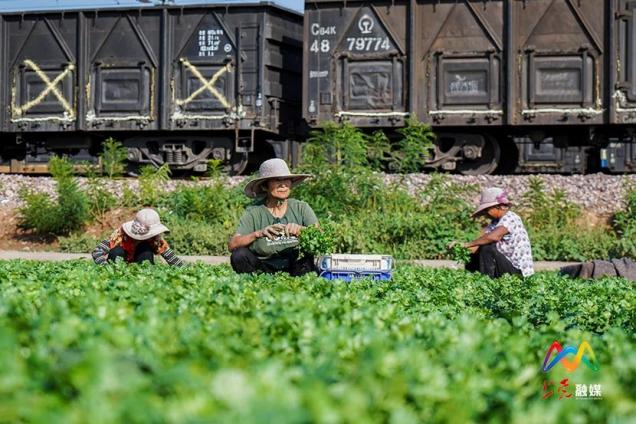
(596, 193)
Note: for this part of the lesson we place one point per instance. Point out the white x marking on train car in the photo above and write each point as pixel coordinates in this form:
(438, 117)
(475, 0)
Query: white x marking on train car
(51, 87)
(207, 84)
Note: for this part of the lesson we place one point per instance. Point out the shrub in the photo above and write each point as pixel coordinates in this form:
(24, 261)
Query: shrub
(114, 158)
(211, 204)
(100, 200)
(67, 213)
(414, 148)
(215, 168)
(151, 180)
(339, 192)
(625, 225)
(449, 211)
(129, 198)
(571, 244)
(548, 210)
(37, 212)
(368, 216)
(198, 238)
(378, 150)
(552, 224)
(343, 146)
(349, 148)
(202, 219)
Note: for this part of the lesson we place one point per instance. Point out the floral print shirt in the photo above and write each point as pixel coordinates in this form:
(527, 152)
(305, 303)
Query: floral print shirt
(516, 244)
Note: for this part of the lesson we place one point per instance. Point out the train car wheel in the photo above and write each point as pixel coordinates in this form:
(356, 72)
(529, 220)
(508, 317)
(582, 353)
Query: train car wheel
(484, 163)
(236, 165)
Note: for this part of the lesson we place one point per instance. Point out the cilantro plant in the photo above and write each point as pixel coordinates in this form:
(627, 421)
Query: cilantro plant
(460, 254)
(317, 241)
(128, 343)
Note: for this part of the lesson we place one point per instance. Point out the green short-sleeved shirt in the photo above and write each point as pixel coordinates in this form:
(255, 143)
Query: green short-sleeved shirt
(258, 217)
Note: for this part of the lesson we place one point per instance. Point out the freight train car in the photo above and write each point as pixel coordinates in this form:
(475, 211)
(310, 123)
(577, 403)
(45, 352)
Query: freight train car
(514, 85)
(177, 85)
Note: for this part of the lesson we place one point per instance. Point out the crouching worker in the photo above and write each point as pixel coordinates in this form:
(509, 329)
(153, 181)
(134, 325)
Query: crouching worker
(504, 246)
(137, 241)
(267, 236)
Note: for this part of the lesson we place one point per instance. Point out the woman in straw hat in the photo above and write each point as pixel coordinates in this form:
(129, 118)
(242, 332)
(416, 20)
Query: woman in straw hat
(266, 239)
(137, 241)
(504, 246)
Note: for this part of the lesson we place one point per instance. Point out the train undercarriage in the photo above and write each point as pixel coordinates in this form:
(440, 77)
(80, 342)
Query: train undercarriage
(182, 152)
(455, 150)
(575, 151)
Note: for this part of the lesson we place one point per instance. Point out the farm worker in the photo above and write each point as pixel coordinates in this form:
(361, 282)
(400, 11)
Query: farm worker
(504, 246)
(266, 239)
(137, 241)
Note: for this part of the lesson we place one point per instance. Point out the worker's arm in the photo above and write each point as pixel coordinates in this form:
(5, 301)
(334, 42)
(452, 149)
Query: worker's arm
(492, 237)
(271, 232)
(239, 240)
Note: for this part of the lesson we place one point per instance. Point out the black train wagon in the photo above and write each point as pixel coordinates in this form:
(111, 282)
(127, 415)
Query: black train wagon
(509, 85)
(178, 85)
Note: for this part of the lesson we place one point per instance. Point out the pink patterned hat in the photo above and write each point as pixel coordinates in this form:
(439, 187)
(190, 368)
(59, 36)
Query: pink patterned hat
(491, 196)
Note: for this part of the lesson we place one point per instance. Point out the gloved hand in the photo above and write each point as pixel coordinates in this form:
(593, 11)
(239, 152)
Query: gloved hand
(273, 231)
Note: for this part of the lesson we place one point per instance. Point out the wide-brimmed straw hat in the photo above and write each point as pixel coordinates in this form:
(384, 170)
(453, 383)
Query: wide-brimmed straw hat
(491, 196)
(272, 168)
(145, 226)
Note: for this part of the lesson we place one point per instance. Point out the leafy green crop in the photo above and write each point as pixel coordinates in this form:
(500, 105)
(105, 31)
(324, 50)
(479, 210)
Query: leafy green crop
(460, 254)
(317, 241)
(81, 343)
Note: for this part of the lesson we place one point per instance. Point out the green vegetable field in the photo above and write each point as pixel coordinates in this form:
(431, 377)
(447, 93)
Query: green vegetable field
(80, 343)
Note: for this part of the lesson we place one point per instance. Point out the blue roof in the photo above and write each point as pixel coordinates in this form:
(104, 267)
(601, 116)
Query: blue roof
(34, 5)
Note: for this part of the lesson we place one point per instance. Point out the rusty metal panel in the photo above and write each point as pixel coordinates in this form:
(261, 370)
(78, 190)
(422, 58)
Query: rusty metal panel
(122, 70)
(370, 85)
(41, 70)
(3, 73)
(283, 60)
(237, 67)
(559, 73)
(461, 43)
(624, 68)
(356, 62)
(203, 66)
(558, 80)
(220, 67)
(465, 82)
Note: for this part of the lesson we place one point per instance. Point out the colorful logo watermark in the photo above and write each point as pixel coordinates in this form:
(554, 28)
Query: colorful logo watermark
(584, 354)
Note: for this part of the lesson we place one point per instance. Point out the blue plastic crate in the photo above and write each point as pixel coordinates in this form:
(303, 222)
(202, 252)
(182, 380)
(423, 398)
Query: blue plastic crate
(353, 275)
